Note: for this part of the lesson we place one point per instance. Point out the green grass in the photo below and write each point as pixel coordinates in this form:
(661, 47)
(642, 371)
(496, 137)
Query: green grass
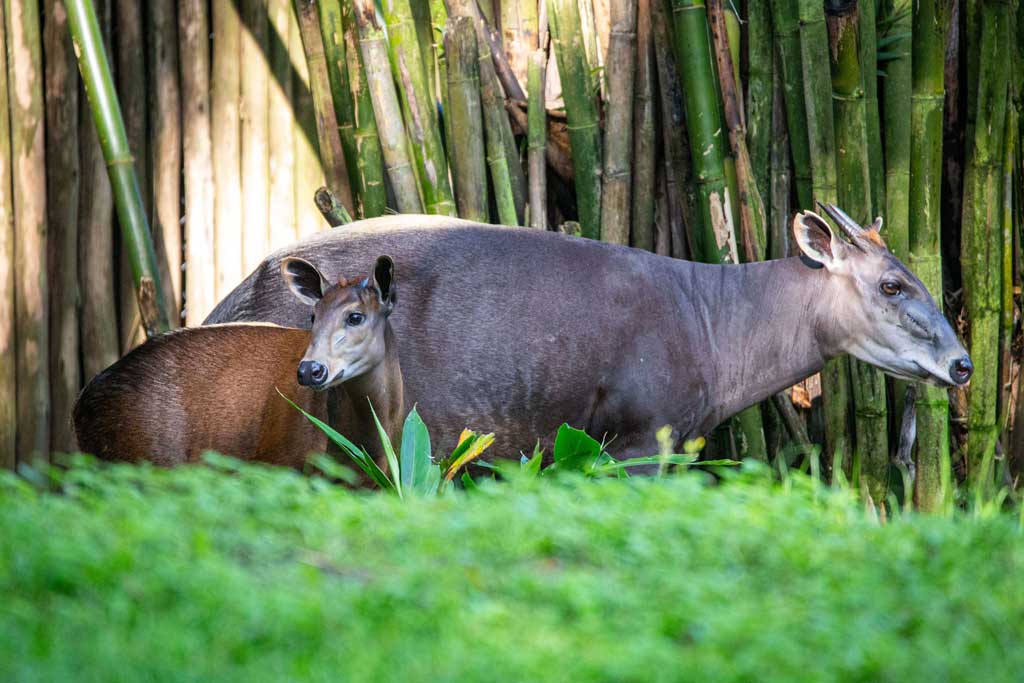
(254, 574)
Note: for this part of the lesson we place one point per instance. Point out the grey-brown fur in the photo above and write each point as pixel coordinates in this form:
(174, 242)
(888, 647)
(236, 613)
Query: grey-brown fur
(517, 331)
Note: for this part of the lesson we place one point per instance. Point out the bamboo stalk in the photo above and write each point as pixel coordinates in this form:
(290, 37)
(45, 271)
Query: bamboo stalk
(786, 24)
(870, 463)
(781, 175)
(8, 256)
(31, 281)
(685, 234)
(418, 108)
(469, 169)
(759, 91)
(96, 263)
(537, 139)
(618, 149)
(644, 152)
(332, 32)
(519, 26)
(752, 211)
(281, 152)
(1007, 309)
(869, 77)
(386, 109)
(814, 60)
(309, 173)
(930, 23)
(567, 37)
(438, 20)
(132, 86)
(370, 161)
(165, 124)
(201, 282)
(253, 109)
(226, 130)
(332, 155)
(62, 175)
(981, 252)
(331, 208)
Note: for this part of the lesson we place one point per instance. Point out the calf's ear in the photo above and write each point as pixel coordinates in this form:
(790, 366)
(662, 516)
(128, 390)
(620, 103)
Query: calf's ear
(304, 280)
(384, 281)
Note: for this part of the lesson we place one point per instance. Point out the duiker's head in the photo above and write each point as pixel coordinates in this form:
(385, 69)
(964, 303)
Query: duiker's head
(884, 313)
(349, 320)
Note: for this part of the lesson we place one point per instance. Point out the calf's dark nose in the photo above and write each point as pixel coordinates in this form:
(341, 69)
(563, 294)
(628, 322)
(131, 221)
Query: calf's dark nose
(961, 369)
(312, 373)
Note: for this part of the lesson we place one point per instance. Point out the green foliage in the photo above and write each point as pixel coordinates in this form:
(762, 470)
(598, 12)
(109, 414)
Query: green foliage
(241, 572)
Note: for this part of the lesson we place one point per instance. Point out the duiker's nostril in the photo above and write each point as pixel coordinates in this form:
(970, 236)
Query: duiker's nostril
(319, 373)
(961, 369)
(311, 373)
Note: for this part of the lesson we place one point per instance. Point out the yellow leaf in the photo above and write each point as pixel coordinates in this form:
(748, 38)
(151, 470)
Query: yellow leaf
(480, 444)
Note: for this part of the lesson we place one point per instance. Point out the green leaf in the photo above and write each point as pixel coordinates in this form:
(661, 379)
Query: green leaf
(389, 452)
(416, 464)
(468, 483)
(575, 450)
(478, 443)
(531, 467)
(358, 455)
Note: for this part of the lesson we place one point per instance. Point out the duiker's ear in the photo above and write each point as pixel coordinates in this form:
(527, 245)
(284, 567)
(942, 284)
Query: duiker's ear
(384, 281)
(816, 239)
(304, 280)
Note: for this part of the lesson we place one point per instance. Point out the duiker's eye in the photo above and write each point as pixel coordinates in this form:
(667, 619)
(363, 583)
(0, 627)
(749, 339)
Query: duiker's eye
(890, 287)
(354, 319)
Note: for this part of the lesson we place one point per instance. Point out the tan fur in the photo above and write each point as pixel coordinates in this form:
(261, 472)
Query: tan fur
(204, 388)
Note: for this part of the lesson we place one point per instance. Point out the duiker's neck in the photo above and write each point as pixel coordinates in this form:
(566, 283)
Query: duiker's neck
(765, 327)
(381, 387)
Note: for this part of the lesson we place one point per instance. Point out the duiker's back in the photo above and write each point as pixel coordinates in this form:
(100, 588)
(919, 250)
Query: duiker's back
(203, 388)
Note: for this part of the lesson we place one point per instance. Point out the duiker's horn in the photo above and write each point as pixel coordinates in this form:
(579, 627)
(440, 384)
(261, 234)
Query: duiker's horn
(849, 226)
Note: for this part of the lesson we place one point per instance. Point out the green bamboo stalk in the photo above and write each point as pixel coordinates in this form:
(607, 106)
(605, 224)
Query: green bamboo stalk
(704, 124)
(131, 215)
(869, 77)
(786, 24)
(227, 153)
(62, 176)
(496, 131)
(644, 153)
(8, 258)
(618, 148)
(930, 23)
(871, 454)
(814, 60)
(280, 118)
(1007, 310)
(981, 251)
(254, 109)
(386, 109)
(469, 170)
(165, 126)
(438, 20)
(537, 139)
(332, 32)
(781, 175)
(370, 159)
(581, 111)
(418, 110)
(96, 268)
(332, 156)
(759, 91)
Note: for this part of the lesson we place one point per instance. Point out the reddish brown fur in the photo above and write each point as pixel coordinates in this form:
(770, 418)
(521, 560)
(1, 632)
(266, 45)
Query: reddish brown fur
(204, 388)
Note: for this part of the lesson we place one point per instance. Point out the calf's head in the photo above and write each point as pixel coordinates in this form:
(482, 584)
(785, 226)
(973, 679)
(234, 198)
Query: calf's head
(881, 312)
(349, 320)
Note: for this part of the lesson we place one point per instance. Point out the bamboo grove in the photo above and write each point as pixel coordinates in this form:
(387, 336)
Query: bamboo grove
(691, 128)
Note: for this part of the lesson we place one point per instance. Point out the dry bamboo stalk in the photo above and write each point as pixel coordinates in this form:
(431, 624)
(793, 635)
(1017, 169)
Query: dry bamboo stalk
(8, 339)
(618, 147)
(226, 130)
(279, 118)
(165, 123)
(131, 93)
(253, 108)
(332, 31)
(96, 241)
(469, 170)
(519, 29)
(644, 153)
(332, 156)
(62, 176)
(386, 109)
(309, 173)
(31, 284)
(537, 139)
(201, 260)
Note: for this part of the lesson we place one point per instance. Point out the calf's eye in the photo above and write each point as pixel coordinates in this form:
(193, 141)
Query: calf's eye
(890, 288)
(354, 319)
